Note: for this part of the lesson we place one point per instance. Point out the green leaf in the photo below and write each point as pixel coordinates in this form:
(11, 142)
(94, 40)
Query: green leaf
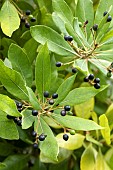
(87, 111)
(106, 131)
(9, 130)
(92, 140)
(109, 158)
(67, 85)
(105, 55)
(6, 149)
(27, 119)
(49, 147)
(9, 18)
(74, 141)
(86, 14)
(15, 162)
(13, 82)
(8, 106)
(82, 65)
(81, 95)
(63, 10)
(56, 43)
(85, 162)
(100, 162)
(109, 115)
(43, 71)
(31, 52)
(76, 123)
(20, 63)
(33, 100)
(107, 38)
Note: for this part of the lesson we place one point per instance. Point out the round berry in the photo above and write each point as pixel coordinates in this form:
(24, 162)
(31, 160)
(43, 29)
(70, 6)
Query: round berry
(51, 101)
(10, 117)
(109, 74)
(58, 64)
(86, 79)
(74, 70)
(33, 19)
(91, 77)
(34, 134)
(54, 96)
(19, 109)
(68, 38)
(109, 18)
(28, 12)
(19, 105)
(15, 119)
(35, 145)
(22, 19)
(97, 86)
(27, 25)
(34, 112)
(19, 122)
(105, 13)
(65, 137)
(46, 94)
(63, 112)
(72, 132)
(42, 137)
(67, 108)
(96, 80)
(95, 27)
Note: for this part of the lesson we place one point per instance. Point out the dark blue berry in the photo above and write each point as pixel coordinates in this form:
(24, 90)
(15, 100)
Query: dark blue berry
(95, 27)
(65, 137)
(58, 64)
(63, 112)
(91, 77)
(67, 108)
(109, 18)
(54, 96)
(96, 80)
(97, 86)
(34, 112)
(42, 137)
(46, 94)
(28, 12)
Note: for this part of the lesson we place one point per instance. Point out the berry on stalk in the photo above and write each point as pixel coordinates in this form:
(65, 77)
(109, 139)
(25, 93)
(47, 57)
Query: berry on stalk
(65, 137)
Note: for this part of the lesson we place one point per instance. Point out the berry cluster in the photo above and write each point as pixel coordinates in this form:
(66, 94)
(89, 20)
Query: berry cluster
(40, 138)
(27, 16)
(93, 81)
(64, 111)
(51, 100)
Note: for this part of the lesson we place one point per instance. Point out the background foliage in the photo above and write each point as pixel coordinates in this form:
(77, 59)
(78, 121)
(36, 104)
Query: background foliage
(31, 46)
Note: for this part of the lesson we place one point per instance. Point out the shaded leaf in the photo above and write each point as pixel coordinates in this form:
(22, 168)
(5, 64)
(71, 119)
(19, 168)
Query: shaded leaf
(27, 119)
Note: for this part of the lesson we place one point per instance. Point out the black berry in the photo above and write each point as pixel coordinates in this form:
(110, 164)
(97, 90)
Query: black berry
(68, 38)
(19, 122)
(22, 19)
(63, 112)
(27, 25)
(109, 18)
(10, 117)
(105, 13)
(109, 74)
(46, 94)
(33, 19)
(86, 79)
(54, 96)
(28, 12)
(67, 108)
(95, 27)
(74, 70)
(58, 64)
(97, 86)
(65, 137)
(15, 119)
(35, 145)
(30, 163)
(91, 77)
(34, 134)
(51, 101)
(19, 105)
(96, 80)
(42, 137)
(34, 112)
(19, 109)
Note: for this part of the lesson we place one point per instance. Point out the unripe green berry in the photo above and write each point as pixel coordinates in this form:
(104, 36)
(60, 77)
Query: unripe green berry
(72, 132)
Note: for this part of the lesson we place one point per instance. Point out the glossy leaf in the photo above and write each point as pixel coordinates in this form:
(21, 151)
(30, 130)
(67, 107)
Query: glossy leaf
(81, 95)
(105, 132)
(105, 55)
(8, 106)
(9, 130)
(63, 10)
(100, 163)
(81, 65)
(27, 119)
(49, 147)
(67, 85)
(86, 14)
(33, 100)
(74, 141)
(20, 63)
(13, 82)
(11, 21)
(85, 163)
(43, 71)
(85, 109)
(56, 43)
(76, 123)
(51, 123)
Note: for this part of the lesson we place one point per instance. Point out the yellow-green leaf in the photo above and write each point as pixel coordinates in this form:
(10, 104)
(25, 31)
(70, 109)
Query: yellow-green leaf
(85, 109)
(100, 165)
(109, 115)
(106, 131)
(88, 159)
(9, 18)
(74, 141)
